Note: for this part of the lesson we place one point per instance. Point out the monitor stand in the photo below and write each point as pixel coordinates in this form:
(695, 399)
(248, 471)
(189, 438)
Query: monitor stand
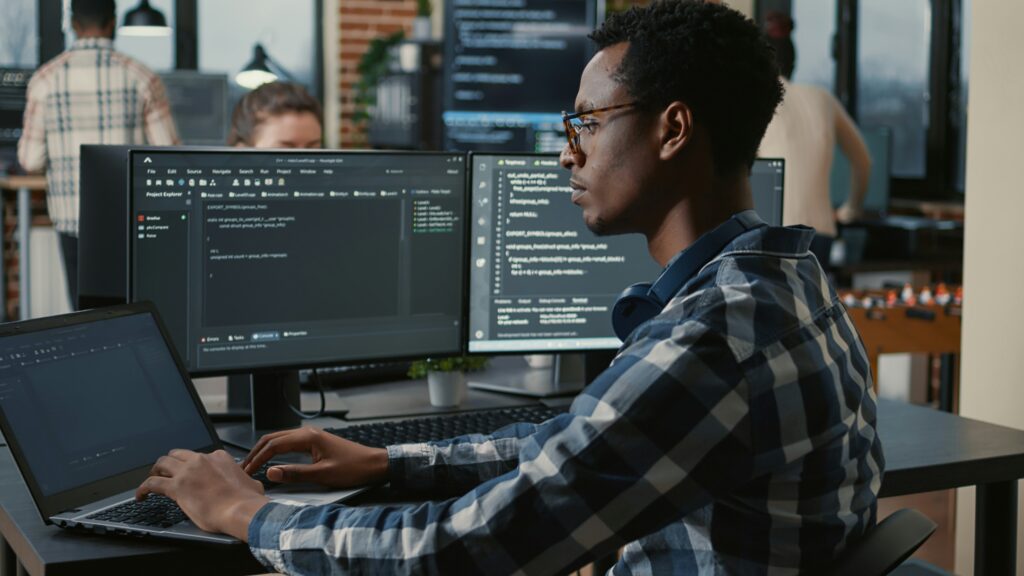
(269, 396)
(569, 374)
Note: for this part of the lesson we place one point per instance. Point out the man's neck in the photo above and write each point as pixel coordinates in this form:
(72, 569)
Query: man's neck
(698, 213)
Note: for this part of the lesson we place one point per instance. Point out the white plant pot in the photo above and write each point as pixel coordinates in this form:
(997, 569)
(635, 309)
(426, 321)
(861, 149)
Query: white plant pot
(446, 389)
(421, 28)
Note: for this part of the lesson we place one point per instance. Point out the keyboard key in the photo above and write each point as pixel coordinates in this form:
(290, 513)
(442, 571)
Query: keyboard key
(153, 511)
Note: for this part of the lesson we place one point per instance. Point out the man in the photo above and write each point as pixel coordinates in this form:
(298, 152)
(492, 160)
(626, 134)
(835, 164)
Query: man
(805, 130)
(734, 432)
(90, 94)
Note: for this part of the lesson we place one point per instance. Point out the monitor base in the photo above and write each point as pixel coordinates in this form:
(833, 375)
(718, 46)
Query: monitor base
(569, 374)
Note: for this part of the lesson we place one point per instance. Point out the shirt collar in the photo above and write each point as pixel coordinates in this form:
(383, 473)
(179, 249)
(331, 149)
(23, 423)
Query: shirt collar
(93, 44)
(710, 244)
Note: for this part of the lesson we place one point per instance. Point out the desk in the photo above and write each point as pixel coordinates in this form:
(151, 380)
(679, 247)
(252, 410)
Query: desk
(928, 450)
(24, 186)
(924, 449)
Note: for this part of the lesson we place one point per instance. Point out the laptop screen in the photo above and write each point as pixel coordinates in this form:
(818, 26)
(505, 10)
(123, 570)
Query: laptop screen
(91, 400)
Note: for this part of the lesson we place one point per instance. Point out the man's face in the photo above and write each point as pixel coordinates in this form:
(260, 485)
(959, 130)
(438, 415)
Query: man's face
(616, 152)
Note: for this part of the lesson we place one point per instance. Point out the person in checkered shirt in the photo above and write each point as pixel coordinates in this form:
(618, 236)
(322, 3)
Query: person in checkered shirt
(735, 431)
(89, 94)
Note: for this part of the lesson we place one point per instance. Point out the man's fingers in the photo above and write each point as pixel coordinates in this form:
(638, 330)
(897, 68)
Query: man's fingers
(182, 454)
(293, 473)
(261, 443)
(165, 466)
(295, 441)
(153, 485)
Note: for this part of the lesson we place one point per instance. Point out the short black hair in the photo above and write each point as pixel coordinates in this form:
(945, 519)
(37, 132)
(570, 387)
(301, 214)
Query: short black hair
(93, 13)
(708, 56)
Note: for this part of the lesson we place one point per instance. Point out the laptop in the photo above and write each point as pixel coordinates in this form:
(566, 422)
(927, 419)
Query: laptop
(88, 402)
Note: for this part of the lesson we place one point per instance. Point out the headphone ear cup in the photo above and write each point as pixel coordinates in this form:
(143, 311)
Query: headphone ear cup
(635, 306)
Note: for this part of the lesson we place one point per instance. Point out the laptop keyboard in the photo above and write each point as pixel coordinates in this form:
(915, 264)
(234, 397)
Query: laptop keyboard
(159, 511)
(414, 430)
(156, 511)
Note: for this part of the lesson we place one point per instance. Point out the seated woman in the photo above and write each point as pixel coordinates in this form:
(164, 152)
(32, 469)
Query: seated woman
(277, 115)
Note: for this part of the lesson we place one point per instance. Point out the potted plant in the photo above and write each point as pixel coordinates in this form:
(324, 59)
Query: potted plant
(421, 25)
(372, 66)
(446, 377)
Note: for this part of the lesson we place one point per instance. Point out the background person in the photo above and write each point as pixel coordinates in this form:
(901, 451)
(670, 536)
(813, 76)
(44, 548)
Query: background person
(89, 94)
(805, 130)
(277, 115)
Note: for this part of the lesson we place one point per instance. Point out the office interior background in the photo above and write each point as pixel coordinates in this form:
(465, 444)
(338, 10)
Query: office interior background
(938, 80)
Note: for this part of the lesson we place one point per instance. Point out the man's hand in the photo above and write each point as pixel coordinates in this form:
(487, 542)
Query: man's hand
(211, 489)
(336, 462)
(847, 213)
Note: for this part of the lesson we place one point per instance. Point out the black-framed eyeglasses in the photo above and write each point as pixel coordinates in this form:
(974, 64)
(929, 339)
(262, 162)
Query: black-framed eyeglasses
(578, 121)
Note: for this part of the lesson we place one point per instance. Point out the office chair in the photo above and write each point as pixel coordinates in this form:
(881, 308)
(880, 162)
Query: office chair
(886, 545)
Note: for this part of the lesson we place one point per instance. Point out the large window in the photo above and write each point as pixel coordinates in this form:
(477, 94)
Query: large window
(19, 38)
(156, 52)
(287, 30)
(815, 26)
(900, 65)
(893, 74)
(960, 113)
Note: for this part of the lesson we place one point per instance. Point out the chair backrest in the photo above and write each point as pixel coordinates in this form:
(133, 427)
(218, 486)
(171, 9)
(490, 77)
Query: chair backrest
(886, 545)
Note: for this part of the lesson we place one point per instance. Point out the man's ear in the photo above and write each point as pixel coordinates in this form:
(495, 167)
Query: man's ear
(676, 129)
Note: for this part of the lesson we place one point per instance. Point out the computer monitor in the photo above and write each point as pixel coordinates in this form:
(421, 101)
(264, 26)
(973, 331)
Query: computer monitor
(539, 280)
(497, 98)
(13, 84)
(262, 261)
(199, 104)
(102, 226)
(879, 142)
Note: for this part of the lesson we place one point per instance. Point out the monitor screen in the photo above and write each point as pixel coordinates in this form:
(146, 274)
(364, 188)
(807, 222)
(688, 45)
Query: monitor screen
(274, 259)
(496, 97)
(199, 105)
(13, 83)
(539, 280)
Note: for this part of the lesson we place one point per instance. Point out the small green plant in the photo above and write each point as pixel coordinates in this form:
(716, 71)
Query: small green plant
(372, 66)
(419, 368)
(423, 7)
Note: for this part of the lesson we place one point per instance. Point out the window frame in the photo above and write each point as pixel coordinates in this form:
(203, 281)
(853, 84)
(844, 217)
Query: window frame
(186, 43)
(944, 83)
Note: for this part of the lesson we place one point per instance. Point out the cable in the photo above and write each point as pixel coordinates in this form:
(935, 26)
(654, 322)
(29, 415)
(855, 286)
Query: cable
(323, 400)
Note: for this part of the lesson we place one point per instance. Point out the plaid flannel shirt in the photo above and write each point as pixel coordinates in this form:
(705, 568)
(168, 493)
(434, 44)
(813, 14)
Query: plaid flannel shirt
(733, 434)
(90, 94)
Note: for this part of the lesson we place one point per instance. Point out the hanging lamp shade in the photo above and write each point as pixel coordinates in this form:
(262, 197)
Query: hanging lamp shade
(257, 72)
(144, 20)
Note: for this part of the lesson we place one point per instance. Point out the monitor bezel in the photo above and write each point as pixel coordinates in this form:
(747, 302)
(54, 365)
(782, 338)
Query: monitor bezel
(284, 367)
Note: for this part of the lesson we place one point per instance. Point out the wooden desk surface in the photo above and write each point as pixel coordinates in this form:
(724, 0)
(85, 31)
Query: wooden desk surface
(16, 182)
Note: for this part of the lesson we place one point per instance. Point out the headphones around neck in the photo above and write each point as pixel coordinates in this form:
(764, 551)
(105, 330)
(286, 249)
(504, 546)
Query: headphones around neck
(641, 302)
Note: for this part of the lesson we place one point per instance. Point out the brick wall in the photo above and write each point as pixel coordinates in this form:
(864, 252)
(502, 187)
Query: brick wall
(364, 20)
(360, 22)
(10, 244)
